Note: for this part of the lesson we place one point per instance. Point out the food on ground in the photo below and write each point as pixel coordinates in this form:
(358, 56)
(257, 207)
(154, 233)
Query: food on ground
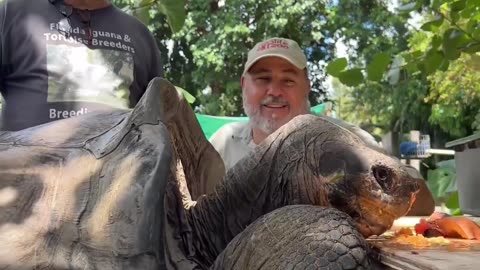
(407, 236)
(441, 224)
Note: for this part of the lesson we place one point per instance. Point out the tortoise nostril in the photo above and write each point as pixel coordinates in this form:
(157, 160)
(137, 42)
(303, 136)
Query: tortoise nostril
(382, 175)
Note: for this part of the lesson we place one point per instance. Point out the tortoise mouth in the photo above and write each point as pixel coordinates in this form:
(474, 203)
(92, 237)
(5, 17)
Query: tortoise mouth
(375, 214)
(375, 200)
(372, 217)
(368, 230)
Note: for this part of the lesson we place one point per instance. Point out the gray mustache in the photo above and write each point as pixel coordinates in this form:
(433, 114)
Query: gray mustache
(274, 100)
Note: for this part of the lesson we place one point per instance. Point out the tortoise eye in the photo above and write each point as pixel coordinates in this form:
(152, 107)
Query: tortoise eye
(382, 176)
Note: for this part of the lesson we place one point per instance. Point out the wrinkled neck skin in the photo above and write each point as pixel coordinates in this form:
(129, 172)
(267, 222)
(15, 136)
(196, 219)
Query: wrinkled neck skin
(270, 178)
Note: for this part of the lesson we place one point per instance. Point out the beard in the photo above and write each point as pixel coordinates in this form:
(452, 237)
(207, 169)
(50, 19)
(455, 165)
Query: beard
(270, 125)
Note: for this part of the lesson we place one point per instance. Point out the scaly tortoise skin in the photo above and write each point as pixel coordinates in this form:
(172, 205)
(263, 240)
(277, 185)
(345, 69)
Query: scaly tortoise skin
(303, 236)
(143, 189)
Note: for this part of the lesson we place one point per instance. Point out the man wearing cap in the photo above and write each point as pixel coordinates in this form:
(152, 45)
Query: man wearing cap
(275, 89)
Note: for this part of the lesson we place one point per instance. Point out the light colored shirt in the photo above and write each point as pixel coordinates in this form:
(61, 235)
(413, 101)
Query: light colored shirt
(233, 142)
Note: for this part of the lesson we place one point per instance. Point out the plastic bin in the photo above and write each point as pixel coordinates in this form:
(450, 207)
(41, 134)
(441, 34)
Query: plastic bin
(467, 163)
(416, 149)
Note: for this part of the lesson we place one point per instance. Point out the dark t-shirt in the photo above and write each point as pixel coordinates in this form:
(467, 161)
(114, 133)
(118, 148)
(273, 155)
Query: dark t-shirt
(54, 76)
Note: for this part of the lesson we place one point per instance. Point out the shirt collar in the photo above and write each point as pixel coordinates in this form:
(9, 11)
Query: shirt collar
(245, 136)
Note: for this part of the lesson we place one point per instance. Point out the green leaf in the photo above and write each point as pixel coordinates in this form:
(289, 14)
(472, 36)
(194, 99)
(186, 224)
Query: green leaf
(409, 7)
(411, 67)
(451, 53)
(351, 77)
(468, 12)
(436, 42)
(143, 3)
(433, 61)
(437, 3)
(456, 212)
(471, 25)
(473, 3)
(476, 16)
(451, 39)
(444, 65)
(476, 33)
(473, 47)
(412, 56)
(188, 97)
(175, 12)
(336, 66)
(452, 202)
(459, 38)
(377, 67)
(416, 54)
(142, 13)
(458, 5)
(421, 66)
(433, 24)
(454, 16)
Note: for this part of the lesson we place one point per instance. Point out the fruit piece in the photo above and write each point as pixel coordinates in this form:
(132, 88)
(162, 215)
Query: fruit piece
(437, 215)
(421, 227)
(441, 224)
(429, 233)
(457, 227)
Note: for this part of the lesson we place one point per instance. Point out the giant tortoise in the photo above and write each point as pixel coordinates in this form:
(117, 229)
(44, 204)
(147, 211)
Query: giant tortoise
(143, 189)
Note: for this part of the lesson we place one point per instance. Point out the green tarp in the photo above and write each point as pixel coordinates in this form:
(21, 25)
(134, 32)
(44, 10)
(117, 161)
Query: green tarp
(210, 123)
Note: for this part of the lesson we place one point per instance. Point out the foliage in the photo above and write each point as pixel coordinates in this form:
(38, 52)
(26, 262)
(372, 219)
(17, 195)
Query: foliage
(397, 88)
(376, 105)
(421, 87)
(205, 43)
(453, 93)
(173, 11)
(380, 107)
(455, 96)
(453, 28)
(453, 204)
(218, 38)
(476, 122)
(206, 57)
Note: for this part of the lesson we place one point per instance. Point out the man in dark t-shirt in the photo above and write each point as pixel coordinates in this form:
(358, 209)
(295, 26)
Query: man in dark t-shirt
(65, 58)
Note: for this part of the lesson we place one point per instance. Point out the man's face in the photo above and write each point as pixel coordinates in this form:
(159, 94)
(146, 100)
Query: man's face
(274, 92)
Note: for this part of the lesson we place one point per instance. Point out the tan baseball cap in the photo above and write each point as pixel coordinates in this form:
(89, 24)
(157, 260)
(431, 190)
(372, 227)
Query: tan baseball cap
(280, 47)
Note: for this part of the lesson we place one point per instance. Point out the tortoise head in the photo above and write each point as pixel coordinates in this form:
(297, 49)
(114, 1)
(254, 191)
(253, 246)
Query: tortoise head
(373, 188)
(348, 173)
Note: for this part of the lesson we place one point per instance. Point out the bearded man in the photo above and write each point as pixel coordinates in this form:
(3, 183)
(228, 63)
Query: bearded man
(275, 89)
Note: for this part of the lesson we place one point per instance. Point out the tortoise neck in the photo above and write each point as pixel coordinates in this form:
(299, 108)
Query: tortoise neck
(249, 190)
